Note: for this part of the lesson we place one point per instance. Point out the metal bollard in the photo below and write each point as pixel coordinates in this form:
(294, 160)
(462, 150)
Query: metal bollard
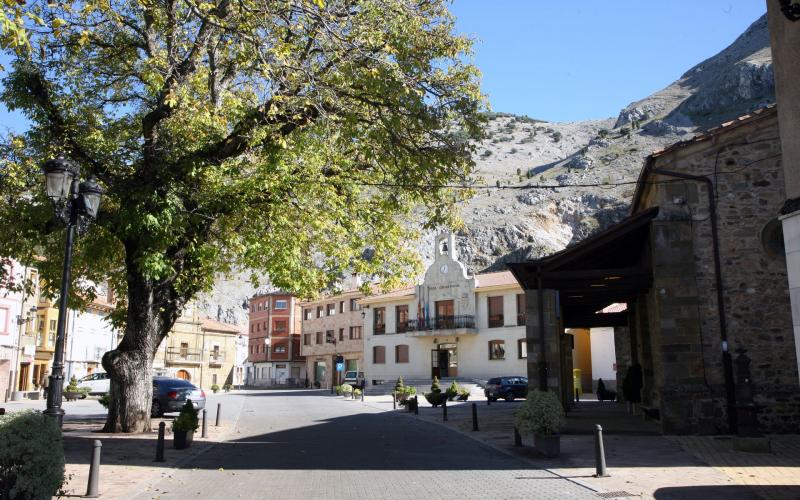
(160, 443)
(394, 401)
(362, 395)
(474, 417)
(577, 395)
(444, 410)
(488, 401)
(416, 405)
(219, 410)
(517, 437)
(94, 471)
(205, 423)
(599, 453)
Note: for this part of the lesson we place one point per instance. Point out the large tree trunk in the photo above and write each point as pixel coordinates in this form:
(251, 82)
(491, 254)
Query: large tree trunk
(152, 310)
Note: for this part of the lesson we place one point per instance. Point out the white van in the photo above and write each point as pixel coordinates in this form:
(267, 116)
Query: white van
(97, 383)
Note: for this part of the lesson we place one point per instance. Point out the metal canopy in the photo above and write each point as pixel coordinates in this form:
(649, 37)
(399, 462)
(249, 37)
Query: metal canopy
(608, 267)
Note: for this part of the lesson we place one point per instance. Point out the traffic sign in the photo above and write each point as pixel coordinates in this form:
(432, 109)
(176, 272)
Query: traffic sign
(339, 367)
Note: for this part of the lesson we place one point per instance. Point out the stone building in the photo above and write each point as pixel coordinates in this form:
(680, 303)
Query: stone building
(452, 325)
(700, 265)
(332, 327)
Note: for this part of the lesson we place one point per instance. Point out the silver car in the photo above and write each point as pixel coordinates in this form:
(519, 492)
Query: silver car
(170, 394)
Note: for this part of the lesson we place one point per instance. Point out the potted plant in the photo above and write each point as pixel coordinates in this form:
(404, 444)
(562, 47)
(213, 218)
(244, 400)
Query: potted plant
(227, 387)
(347, 390)
(452, 391)
(72, 392)
(399, 391)
(542, 415)
(184, 426)
(435, 397)
(215, 388)
(463, 393)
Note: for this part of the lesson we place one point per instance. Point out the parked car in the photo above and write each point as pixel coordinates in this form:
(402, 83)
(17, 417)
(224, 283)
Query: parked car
(507, 388)
(170, 394)
(97, 383)
(354, 378)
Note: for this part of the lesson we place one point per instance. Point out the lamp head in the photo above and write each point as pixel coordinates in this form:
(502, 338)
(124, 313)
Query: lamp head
(59, 174)
(91, 193)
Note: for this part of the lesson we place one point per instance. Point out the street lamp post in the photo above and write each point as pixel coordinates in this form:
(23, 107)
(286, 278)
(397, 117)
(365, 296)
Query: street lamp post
(76, 204)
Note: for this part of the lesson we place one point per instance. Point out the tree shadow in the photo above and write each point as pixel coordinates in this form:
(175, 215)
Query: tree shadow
(731, 492)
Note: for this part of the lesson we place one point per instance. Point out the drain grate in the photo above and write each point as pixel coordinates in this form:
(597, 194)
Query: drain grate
(616, 494)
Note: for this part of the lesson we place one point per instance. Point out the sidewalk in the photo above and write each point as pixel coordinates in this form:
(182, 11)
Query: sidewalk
(641, 464)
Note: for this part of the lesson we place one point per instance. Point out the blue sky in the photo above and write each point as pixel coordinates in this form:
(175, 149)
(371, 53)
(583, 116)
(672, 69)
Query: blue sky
(566, 61)
(576, 60)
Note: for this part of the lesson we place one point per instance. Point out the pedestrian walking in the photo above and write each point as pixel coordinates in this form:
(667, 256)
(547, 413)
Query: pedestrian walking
(44, 383)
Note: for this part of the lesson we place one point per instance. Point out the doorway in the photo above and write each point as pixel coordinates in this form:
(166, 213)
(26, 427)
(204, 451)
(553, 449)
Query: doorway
(24, 369)
(444, 314)
(184, 375)
(444, 361)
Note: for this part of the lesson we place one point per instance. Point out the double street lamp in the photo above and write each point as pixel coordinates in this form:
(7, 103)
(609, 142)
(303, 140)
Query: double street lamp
(76, 204)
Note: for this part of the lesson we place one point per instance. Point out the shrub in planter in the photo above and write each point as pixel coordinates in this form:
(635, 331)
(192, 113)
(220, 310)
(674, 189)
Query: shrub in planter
(227, 387)
(104, 400)
(347, 390)
(356, 393)
(184, 426)
(436, 398)
(452, 391)
(463, 393)
(338, 390)
(71, 391)
(31, 456)
(435, 385)
(215, 388)
(541, 415)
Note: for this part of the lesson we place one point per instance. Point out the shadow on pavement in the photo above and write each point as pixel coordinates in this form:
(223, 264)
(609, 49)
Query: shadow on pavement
(726, 492)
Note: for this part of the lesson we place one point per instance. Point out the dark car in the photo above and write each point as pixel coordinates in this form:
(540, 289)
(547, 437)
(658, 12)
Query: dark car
(507, 388)
(170, 394)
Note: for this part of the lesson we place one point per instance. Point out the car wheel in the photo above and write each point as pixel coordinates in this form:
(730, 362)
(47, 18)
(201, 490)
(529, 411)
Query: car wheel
(509, 396)
(492, 399)
(155, 410)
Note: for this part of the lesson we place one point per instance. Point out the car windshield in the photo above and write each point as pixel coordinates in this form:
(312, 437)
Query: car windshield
(350, 375)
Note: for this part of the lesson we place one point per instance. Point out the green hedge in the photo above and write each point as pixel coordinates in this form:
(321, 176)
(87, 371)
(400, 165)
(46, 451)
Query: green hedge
(31, 456)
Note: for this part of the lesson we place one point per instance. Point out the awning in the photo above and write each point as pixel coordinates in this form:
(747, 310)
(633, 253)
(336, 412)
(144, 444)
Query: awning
(610, 266)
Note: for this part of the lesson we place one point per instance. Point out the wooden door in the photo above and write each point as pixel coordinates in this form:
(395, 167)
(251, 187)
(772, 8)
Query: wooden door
(435, 363)
(444, 313)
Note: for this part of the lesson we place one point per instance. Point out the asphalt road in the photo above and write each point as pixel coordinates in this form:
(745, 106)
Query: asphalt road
(310, 445)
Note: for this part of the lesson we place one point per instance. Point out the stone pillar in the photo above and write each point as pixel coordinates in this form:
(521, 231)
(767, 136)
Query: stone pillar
(785, 40)
(622, 349)
(551, 358)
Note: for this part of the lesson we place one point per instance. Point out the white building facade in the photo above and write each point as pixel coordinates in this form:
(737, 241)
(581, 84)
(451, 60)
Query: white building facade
(450, 326)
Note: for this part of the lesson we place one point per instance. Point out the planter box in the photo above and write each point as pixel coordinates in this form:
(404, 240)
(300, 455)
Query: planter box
(182, 439)
(549, 446)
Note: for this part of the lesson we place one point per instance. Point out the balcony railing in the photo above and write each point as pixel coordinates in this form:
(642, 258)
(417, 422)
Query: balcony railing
(442, 323)
(215, 357)
(186, 354)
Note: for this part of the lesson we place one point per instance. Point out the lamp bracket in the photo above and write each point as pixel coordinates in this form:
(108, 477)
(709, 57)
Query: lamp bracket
(790, 9)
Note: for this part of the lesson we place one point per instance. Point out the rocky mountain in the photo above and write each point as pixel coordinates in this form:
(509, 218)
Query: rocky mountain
(518, 213)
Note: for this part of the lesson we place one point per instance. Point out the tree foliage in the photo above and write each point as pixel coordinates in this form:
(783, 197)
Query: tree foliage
(297, 138)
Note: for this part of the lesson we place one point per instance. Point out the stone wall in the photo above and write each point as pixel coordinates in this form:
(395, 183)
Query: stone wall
(744, 165)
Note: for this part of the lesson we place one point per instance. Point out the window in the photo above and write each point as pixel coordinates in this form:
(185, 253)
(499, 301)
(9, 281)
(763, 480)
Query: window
(307, 314)
(215, 354)
(378, 354)
(184, 349)
(214, 379)
(522, 348)
(355, 332)
(281, 304)
(306, 339)
(401, 313)
(331, 309)
(495, 311)
(280, 326)
(354, 305)
(329, 338)
(351, 365)
(341, 334)
(497, 349)
(379, 321)
(258, 327)
(319, 338)
(401, 353)
(52, 324)
(319, 311)
(252, 328)
(521, 309)
(279, 349)
(341, 306)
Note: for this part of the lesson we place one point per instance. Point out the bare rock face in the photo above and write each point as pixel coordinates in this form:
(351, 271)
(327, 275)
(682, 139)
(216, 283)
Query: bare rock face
(548, 185)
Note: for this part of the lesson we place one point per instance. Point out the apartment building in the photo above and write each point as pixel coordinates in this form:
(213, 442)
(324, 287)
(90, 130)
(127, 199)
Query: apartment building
(274, 355)
(332, 329)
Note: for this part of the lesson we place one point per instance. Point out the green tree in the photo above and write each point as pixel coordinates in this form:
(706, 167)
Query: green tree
(298, 138)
